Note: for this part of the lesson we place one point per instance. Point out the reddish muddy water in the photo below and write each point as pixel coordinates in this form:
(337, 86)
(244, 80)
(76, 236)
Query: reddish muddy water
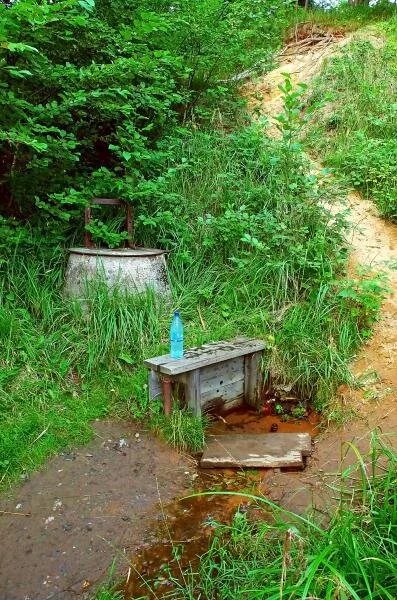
(184, 527)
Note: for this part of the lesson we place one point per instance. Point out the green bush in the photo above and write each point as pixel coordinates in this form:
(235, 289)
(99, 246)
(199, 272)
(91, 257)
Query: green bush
(92, 95)
(371, 166)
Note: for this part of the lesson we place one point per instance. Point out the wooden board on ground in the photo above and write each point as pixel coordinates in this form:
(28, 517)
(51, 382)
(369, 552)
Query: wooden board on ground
(266, 450)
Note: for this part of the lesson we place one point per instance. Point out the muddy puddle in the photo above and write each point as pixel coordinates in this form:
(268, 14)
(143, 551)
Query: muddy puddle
(183, 528)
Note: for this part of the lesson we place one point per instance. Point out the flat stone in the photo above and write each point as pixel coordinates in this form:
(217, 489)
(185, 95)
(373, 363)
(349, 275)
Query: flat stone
(266, 450)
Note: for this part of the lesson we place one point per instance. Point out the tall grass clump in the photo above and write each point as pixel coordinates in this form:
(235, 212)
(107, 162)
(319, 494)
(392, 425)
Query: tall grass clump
(252, 251)
(182, 429)
(356, 129)
(289, 556)
(348, 17)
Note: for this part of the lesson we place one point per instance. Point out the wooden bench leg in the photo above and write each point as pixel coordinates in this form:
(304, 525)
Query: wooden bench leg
(252, 379)
(154, 385)
(161, 386)
(193, 392)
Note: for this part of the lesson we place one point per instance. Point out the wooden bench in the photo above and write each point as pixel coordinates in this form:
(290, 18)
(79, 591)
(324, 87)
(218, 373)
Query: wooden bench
(215, 376)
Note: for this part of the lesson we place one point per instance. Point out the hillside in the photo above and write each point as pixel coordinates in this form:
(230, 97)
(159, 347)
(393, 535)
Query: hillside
(255, 143)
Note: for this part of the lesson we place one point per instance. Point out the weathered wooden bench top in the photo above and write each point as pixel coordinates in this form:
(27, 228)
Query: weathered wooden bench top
(207, 354)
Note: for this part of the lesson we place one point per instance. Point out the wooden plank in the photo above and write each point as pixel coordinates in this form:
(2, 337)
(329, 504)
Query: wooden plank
(192, 392)
(156, 362)
(268, 450)
(222, 405)
(252, 379)
(107, 201)
(231, 404)
(209, 355)
(224, 393)
(214, 377)
(154, 385)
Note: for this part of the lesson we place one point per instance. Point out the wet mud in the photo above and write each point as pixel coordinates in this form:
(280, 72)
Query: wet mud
(183, 529)
(62, 528)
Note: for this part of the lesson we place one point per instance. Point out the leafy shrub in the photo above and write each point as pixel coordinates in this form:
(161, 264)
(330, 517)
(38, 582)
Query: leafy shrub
(251, 205)
(90, 90)
(371, 165)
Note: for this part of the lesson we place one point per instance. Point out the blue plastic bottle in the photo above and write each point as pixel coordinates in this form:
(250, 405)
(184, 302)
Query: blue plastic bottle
(176, 336)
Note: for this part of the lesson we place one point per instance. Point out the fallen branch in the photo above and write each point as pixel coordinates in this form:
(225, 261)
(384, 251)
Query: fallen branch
(243, 75)
(7, 512)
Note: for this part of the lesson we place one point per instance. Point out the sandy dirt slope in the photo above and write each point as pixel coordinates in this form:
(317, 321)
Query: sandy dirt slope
(373, 244)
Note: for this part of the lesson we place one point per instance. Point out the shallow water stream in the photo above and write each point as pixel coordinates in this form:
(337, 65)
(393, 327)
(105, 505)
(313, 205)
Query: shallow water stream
(183, 528)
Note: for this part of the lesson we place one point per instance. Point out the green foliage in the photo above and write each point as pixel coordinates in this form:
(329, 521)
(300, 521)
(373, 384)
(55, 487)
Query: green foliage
(289, 556)
(349, 16)
(182, 430)
(317, 336)
(91, 93)
(364, 297)
(289, 122)
(254, 206)
(253, 252)
(358, 124)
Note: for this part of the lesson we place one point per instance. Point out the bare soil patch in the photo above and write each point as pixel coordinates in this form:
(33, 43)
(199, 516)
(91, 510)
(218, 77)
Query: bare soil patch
(87, 507)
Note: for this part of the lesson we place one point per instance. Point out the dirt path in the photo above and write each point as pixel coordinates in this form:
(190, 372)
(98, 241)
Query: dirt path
(373, 244)
(86, 508)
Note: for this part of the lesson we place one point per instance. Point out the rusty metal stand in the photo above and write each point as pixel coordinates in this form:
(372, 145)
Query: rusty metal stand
(166, 386)
(109, 202)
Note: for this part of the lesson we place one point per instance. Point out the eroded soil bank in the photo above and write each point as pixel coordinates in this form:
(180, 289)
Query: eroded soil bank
(373, 244)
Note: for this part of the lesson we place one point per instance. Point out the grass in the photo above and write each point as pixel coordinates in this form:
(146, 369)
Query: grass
(289, 556)
(252, 252)
(106, 594)
(107, 590)
(348, 17)
(356, 116)
(182, 429)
